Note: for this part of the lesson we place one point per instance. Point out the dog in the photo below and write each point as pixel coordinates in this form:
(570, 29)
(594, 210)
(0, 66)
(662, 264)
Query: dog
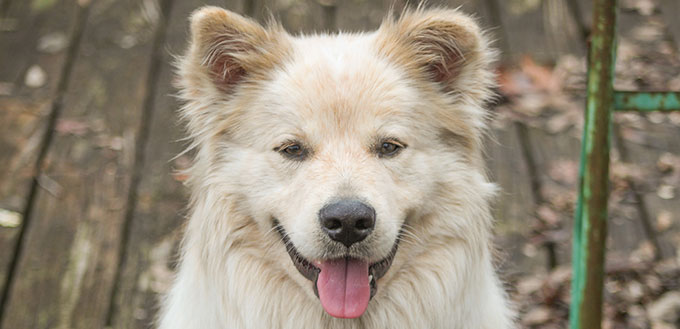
(338, 179)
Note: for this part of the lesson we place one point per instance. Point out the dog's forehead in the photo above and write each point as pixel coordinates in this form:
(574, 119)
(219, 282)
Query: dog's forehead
(337, 56)
(334, 86)
(343, 74)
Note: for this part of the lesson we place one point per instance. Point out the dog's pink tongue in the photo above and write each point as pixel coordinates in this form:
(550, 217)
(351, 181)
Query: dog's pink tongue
(343, 287)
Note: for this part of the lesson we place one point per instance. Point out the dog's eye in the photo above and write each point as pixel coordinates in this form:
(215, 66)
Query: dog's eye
(293, 151)
(390, 148)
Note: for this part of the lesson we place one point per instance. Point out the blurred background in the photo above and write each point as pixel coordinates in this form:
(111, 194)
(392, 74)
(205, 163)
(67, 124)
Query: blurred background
(92, 205)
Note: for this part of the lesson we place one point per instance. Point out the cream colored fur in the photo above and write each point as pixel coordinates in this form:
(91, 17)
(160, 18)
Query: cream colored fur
(422, 78)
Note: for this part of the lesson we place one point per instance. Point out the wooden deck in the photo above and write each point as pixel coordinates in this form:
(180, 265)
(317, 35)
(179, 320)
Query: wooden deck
(91, 206)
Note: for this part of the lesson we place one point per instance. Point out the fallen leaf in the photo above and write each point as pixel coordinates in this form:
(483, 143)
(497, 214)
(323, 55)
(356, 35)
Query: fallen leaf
(72, 127)
(52, 43)
(9, 219)
(564, 171)
(664, 220)
(537, 316)
(559, 123)
(633, 136)
(666, 192)
(530, 284)
(548, 215)
(668, 162)
(541, 76)
(513, 82)
(644, 252)
(36, 77)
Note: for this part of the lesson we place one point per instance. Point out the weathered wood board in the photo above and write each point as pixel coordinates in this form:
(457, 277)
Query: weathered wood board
(648, 154)
(366, 15)
(515, 204)
(670, 10)
(296, 16)
(67, 265)
(542, 29)
(34, 41)
(554, 156)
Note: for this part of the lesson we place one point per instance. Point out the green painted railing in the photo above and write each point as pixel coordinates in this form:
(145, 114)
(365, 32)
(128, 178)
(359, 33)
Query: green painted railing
(590, 217)
(646, 101)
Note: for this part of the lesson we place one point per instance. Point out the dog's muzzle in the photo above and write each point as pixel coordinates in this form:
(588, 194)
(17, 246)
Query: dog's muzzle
(344, 285)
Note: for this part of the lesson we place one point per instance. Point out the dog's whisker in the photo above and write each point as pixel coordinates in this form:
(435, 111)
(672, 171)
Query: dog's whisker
(407, 231)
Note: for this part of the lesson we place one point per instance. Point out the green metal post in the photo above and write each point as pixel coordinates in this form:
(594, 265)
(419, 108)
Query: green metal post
(590, 222)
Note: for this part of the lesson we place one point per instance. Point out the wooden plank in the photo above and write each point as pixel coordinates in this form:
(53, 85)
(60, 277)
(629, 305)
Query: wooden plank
(34, 33)
(541, 29)
(155, 225)
(651, 151)
(35, 37)
(670, 9)
(555, 158)
(366, 15)
(297, 16)
(363, 15)
(514, 208)
(479, 9)
(66, 267)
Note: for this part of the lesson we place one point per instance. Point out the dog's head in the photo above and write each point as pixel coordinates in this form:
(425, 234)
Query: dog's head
(341, 145)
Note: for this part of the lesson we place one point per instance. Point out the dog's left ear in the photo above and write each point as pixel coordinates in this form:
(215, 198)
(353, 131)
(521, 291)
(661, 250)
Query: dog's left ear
(227, 49)
(438, 44)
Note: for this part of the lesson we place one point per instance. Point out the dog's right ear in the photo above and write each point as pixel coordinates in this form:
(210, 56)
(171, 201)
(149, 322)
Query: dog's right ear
(227, 48)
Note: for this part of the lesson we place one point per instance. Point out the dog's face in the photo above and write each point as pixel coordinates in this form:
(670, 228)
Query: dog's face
(340, 144)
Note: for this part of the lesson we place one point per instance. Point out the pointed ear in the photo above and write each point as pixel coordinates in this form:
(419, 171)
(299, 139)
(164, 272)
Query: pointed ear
(441, 45)
(227, 48)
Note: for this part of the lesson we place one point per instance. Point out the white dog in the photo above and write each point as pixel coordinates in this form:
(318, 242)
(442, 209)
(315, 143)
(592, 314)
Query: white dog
(338, 179)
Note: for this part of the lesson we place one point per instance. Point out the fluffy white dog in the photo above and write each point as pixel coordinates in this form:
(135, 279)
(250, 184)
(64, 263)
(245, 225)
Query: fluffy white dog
(338, 179)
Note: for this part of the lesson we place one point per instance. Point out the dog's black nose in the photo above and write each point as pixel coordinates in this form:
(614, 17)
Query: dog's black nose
(347, 221)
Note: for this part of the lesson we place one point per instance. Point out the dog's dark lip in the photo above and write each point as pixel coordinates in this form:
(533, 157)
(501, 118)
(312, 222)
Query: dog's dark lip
(308, 270)
(303, 266)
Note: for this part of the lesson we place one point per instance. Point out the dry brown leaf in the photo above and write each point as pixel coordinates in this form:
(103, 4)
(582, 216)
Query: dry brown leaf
(664, 220)
(633, 136)
(72, 127)
(35, 77)
(541, 76)
(513, 82)
(548, 215)
(9, 219)
(668, 162)
(537, 316)
(666, 192)
(564, 171)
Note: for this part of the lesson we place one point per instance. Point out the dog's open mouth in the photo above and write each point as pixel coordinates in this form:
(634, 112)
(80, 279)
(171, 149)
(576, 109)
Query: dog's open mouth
(344, 285)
